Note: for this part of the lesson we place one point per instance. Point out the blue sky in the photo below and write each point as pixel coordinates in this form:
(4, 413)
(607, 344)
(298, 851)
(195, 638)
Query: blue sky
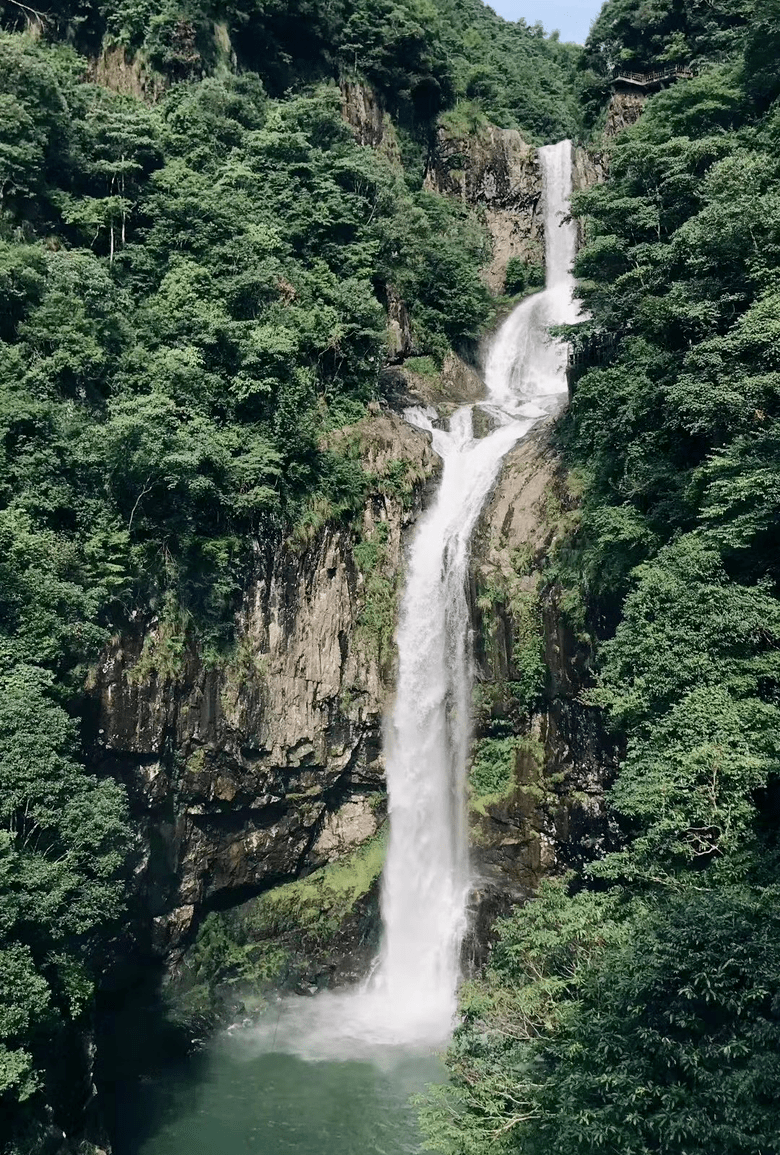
(572, 17)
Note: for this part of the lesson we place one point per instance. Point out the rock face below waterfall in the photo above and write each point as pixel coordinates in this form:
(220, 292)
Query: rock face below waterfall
(247, 774)
(549, 756)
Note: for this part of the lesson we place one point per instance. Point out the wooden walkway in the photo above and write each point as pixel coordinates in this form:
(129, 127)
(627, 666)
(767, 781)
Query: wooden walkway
(652, 81)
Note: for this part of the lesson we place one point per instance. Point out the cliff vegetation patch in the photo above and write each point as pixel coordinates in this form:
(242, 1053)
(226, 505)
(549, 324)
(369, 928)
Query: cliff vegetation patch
(292, 937)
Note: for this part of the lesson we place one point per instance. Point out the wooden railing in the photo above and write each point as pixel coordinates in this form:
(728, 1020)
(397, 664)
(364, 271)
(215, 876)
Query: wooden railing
(649, 79)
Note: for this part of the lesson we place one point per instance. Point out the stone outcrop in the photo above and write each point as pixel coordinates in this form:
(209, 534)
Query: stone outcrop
(455, 383)
(246, 774)
(590, 167)
(126, 73)
(371, 124)
(496, 170)
(399, 328)
(623, 110)
(131, 74)
(551, 816)
(373, 127)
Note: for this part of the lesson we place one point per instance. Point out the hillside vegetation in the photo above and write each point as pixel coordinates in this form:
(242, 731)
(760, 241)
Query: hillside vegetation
(634, 1008)
(192, 296)
(193, 292)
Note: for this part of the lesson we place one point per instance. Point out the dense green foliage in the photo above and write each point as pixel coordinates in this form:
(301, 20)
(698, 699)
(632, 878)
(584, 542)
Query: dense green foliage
(419, 55)
(192, 299)
(190, 302)
(632, 37)
(634, 1008)
(520, 276)
(643, 37)
(492, 771)
(511, 72)
(601, 1027)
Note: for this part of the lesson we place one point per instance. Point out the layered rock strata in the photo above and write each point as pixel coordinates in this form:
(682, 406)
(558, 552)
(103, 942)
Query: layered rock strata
(246, 774)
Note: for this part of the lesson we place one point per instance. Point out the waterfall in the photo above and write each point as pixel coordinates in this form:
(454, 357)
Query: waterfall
(522, 364)
(426, 879)
(410, 999)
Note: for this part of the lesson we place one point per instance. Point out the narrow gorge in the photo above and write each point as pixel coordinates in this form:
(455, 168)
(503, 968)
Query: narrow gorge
(404, 1008)
(389, 634)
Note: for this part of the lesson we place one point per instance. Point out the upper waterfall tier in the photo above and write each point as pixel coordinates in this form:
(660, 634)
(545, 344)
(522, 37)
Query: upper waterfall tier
(523, 365)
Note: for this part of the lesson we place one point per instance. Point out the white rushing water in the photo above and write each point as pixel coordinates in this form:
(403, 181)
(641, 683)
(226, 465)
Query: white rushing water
(410, 999)
(426, 880)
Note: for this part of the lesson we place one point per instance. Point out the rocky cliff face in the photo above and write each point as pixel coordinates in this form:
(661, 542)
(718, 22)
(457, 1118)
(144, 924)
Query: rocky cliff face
(373, 127)
(363, 111)
(623, 110)
(495, 169)
(532, 667)
(123, 72)
(247, 774)
(591, 165)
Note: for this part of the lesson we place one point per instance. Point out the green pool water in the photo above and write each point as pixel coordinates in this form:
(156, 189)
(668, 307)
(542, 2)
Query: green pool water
(231, 1101)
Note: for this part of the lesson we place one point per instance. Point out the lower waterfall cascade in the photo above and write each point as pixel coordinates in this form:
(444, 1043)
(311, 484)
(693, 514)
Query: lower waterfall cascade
(409, 1000)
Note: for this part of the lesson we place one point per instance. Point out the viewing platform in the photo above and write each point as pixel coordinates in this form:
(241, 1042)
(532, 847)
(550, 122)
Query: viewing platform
(651, 81)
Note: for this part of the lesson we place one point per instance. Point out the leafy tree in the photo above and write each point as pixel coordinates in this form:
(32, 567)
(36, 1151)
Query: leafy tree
(521, 276)
(601, 1024)
(679, 1029)
(517, 75)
